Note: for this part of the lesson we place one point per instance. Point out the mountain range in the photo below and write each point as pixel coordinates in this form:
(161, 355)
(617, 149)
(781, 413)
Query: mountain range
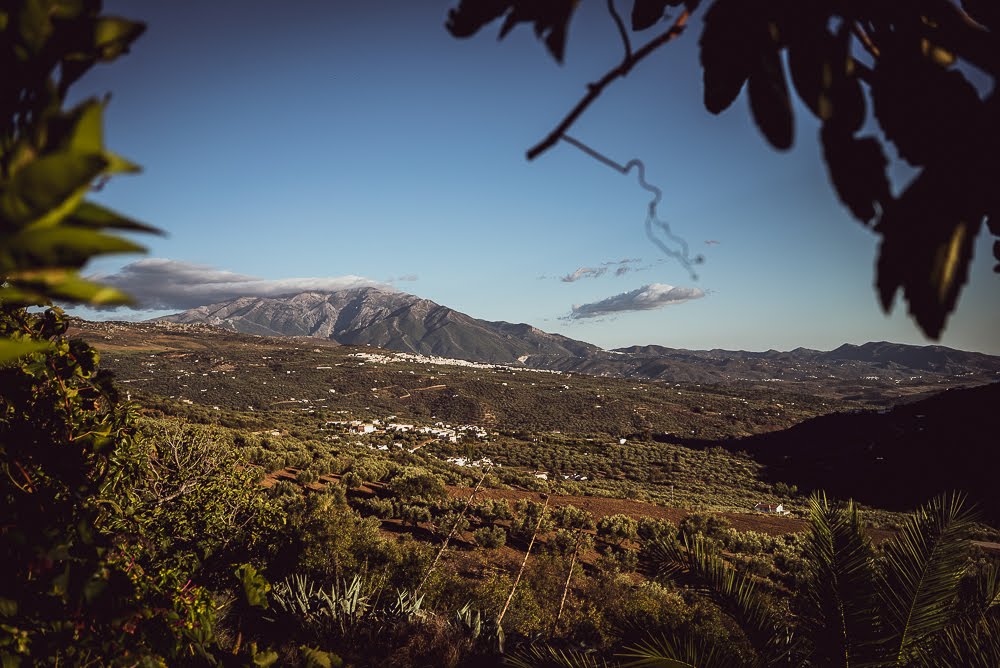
(404, 322)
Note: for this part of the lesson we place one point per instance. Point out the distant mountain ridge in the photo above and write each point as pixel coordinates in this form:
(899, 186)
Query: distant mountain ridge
(393, 320)
(404, 322)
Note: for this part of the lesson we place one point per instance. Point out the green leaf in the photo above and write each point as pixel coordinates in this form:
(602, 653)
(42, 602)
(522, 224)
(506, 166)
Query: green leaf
(769, 100)
(264, 659)
(87, 137)
(315, 658)
(73, 288)
(114, 35)
(11, 350)
(857, 170)
(60, 246)
(89, 214)
(45, 190)
(255, 587)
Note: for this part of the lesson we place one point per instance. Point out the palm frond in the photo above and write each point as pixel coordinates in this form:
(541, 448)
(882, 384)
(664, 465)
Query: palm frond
(667, 652)
(695, 561)
(923, 564)
(838, 594)
(543, 655)
(970, 644)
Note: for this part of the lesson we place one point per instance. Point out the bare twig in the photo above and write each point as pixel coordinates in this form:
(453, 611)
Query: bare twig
(569, 577)
(621, 30)
(595, 89)
(524, 562)
(454, 528)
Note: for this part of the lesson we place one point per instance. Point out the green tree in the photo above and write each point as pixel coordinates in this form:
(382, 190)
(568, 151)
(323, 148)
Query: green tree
(616, 529)
(911, 59)
(490, 537)
(50, 157)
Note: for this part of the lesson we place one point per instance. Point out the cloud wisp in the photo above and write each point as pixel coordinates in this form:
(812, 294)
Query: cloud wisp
(158, 283)
(619, 267)
(584, 272)
(647, 298)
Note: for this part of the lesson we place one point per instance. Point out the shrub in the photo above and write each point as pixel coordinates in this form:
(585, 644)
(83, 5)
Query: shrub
(490, 537)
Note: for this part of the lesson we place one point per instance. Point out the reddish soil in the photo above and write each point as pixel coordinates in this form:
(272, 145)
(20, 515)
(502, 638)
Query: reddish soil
(598, 506)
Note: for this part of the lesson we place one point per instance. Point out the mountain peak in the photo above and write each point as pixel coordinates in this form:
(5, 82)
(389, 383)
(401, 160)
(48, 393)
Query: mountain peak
(371, 315)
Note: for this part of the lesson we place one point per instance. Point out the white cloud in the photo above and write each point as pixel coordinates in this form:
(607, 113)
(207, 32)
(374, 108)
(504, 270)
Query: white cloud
(157, 283)
(646, 298)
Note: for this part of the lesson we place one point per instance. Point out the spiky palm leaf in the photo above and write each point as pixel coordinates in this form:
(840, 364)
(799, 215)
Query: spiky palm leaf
(543, 655)
(918, 584)
(666, 652)
(837, 601)
(696, 561)
(973, 643)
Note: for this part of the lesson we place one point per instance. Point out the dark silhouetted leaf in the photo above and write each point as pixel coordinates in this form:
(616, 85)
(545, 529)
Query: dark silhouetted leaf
(471, 15)
(857, 170)
(550, 19)
(927, 244)
(923, 108)
(727, 51)
(645, 13)
(822, 71)
(769, 101)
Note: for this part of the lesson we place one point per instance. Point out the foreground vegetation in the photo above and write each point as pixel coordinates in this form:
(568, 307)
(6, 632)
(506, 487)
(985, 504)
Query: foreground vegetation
(152, 540)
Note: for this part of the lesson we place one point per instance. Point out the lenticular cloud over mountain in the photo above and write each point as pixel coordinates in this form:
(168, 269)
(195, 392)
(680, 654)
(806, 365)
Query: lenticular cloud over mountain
(158, 283)
(646, 298)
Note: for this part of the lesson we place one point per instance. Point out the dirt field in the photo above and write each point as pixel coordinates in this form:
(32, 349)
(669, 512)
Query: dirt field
(598, 506)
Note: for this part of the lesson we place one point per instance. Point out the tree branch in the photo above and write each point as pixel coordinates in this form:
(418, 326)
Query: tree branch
(621, 30)
(595, 89)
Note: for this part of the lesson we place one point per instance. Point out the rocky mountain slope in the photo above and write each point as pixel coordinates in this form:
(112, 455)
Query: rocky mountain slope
(392, 320)
(404, 322)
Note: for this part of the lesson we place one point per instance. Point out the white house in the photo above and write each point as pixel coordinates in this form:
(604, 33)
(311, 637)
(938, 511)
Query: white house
(773, 508)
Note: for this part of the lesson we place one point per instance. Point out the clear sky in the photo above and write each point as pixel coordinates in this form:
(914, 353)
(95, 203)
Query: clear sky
(322, 140)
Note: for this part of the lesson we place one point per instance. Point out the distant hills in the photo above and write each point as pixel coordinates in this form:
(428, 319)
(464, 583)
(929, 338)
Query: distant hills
(404, 322)
(893, 458)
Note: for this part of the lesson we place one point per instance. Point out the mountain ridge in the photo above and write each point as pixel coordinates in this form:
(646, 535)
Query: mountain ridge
(403, 322)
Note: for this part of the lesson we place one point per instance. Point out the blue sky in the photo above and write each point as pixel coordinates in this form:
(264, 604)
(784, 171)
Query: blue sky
(330, 139)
